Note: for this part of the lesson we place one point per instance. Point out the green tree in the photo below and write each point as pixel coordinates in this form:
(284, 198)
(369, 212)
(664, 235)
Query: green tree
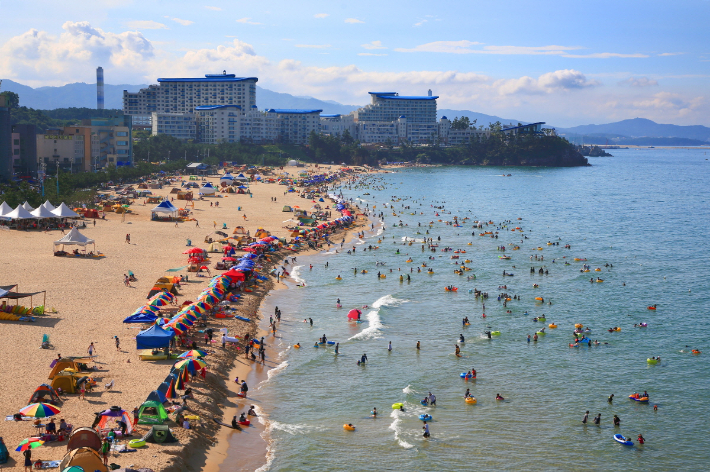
(11, 99)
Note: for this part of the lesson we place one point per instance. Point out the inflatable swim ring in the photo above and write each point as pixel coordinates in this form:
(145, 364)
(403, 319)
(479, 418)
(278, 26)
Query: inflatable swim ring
(552, 326)
(695, 351)
(297, 346)
(622, 440)
(244, 423)
(541, 333)
(347, 427)
(470, 400)
(651, 307)
(495, 333)
(639, 398)
(223, 315)
(397, 406)
(338, 278)
(652, 361)
(539, 299)
(447, 289)
(425, 417)
(136, 443)
(579, 326)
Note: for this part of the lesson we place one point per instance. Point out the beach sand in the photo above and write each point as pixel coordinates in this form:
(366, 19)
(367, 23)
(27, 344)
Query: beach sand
(88, 301)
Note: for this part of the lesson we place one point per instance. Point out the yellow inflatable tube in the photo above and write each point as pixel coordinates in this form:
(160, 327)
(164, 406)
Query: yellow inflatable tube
(348, 427)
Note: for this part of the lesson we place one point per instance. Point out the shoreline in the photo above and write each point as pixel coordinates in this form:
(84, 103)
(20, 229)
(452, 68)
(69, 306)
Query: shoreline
(254, 450)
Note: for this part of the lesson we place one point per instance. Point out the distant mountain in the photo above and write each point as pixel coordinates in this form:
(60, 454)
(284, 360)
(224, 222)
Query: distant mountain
(482, 118)
(70, 95)
(638, 128)
(266, 99)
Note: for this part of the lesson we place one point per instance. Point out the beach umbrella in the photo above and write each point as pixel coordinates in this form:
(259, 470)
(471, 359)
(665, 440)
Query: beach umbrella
(171, 392)
(180, 380)
(194, 250)
(29, 443)
(158, 302)
(191, 365)
(39, 410)
(229, 259)
(193, 353)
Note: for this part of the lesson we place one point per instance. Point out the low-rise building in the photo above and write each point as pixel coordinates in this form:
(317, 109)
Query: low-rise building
(182, 126)
(55, 148)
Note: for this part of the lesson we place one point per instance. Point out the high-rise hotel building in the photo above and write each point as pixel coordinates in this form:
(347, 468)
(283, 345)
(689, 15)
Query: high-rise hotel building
(182, 95)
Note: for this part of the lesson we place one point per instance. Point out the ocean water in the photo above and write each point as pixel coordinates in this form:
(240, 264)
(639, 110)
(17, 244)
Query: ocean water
(645, 212)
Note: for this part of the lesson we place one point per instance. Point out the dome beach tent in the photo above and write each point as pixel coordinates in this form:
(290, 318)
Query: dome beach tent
(84, 437)
(84, 457)
(117, 414)
(45, 394)
(152, 412)
(159, 434)
(74, 238)
(63, 211)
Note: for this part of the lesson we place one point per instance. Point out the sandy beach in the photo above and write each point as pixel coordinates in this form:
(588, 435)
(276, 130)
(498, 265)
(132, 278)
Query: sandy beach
(87, 302)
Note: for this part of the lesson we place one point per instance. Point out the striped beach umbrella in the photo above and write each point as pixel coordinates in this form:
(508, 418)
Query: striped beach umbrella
(171, 392)
(192, 353)
(180, 380)
(29, 443)
(39, 410)
(191, 365)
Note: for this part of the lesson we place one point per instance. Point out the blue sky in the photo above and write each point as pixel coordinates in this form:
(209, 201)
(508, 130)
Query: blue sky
(566, 63)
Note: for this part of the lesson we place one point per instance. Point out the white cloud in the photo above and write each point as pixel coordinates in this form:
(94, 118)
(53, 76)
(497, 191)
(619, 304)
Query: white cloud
(313, 46)
(560, 80)
(466, 47)
(246, 21)
(42, 59)
(321, 15)
(419, 23)
(369, 54)
(671, 54)
(353, 20)
(374, 45)
(145, 24)
(562, 97)
(182, 22)
(213, 8)
(639, 82)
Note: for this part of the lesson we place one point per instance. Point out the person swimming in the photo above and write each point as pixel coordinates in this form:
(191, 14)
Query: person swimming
(499, 397)
(461, 339)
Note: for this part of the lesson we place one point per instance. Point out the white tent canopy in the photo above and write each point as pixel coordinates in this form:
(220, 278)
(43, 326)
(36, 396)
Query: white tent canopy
(74, 237)
(27, 206)
(207, 189)
(63, 211)
(165, 207)
(48, 206)
(5, 208)
(42, 212)
(19, 213)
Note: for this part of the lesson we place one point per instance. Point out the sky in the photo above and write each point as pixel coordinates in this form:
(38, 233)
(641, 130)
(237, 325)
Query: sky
(563, 62)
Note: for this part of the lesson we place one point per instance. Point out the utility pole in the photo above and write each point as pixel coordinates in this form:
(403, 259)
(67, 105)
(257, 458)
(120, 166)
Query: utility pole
(57, 179)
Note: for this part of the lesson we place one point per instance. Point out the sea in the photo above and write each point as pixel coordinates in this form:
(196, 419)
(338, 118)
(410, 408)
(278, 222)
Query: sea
(640, 217)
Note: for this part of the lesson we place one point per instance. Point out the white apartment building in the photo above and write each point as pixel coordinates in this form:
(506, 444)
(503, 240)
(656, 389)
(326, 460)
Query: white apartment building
(182, 95)
(336, 125)
(227, 123)
(182, 126)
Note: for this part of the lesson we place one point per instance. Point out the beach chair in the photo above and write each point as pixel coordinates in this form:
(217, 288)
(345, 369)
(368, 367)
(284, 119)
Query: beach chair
(109, 385)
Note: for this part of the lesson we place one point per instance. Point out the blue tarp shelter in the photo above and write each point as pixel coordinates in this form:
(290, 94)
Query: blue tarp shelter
(154, 337)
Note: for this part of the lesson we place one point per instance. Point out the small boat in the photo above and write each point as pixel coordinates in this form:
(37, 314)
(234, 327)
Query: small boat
(623, 440)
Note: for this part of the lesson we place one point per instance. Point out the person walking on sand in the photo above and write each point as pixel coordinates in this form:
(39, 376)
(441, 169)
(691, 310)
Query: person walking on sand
(135, 416)
(128, 238)
(244, 216)
(91, 350)
(197, 223)
(118, 344)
